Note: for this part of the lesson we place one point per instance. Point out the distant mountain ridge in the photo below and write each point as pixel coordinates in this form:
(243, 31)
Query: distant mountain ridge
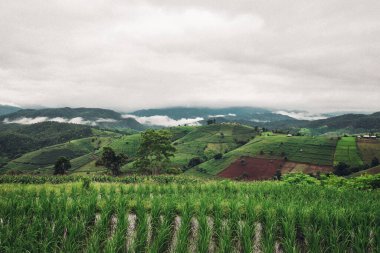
(6, 109)
(142, 119)
(247, 113)
(87, 116)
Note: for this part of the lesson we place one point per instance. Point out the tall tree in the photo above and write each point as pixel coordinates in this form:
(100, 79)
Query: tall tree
(155, 151)
(112, 161)
(61, 165)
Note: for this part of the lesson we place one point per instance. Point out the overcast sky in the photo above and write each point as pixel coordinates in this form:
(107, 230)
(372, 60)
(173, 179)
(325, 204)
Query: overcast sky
(298, 54)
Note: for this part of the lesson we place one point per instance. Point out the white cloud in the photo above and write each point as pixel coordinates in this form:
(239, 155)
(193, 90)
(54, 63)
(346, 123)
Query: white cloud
(217, 116)
(102, 120)
(163, 120)
(77, 120)
(301, 115)
(26, 121)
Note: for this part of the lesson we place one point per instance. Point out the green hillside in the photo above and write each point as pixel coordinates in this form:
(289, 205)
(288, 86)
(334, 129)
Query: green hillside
(206, 141)
(82, 151)
(314, 150)
(347, 152)
(17, 140)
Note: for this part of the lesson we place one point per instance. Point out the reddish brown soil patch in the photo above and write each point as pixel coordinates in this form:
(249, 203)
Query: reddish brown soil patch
(291, 167)
(249, 168)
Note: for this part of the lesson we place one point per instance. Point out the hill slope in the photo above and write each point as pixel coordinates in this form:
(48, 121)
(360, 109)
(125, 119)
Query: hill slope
(7, 109)
(18, 139)
(301, 149)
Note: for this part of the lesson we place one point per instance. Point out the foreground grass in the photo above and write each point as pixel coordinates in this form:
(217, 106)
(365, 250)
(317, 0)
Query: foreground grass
(182, 216)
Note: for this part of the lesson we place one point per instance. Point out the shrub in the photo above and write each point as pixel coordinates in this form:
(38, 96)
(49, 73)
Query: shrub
(374, 162)
(172, 170)
(194, 161)
(341, 169)
(218, 156)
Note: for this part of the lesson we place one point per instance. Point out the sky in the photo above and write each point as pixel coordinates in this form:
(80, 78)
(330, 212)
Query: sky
(319, 56)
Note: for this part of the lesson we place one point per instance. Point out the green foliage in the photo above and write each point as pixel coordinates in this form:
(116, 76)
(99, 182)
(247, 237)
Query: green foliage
(86, 182)
(299, 179)
(155, 151)
(194, 162)
(341, 169)
(363, 182)
(218, 156)
(172, 170)
(112, 161)
(61, 166)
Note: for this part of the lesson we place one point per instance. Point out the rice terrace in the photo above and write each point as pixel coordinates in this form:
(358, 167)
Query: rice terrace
(161, 126)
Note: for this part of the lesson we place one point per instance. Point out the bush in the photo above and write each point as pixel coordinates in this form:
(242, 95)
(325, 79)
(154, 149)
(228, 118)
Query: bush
(218, 156)
(341, 169)
(174, 171)
(300, 178)
(375, 162)
(194, 162)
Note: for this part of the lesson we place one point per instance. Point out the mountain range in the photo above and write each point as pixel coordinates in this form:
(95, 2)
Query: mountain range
(164, 117)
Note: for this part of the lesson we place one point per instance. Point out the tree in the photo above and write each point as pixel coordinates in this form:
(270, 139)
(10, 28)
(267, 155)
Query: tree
(112, 161)
(341, 169)
(218, 156)
(155, 151)
(194, 162)
(61, 165)
(375, 162)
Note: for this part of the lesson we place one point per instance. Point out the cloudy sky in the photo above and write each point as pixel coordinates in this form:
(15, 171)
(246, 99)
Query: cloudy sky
(297, 54)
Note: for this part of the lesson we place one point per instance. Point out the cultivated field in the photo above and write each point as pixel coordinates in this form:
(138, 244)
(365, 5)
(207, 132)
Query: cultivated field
(347, 152)
(190, 216)
(369, 149)
(302, 149)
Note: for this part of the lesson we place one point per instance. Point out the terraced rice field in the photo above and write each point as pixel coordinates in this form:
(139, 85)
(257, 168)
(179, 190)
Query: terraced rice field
(369, 149)
(301, 149)
(187, 217)
(347, 152)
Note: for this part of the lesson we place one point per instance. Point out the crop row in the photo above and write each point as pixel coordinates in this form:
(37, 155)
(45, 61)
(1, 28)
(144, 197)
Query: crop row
(201, 217)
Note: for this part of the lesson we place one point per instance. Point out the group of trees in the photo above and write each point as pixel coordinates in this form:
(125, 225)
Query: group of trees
(343, 169)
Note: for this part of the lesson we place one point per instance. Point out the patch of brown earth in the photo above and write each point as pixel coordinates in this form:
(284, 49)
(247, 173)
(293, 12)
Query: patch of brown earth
(250, 168)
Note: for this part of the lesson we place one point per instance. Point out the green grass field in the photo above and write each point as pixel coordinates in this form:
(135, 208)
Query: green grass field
(187, 216)
(347, 152)
(303, 149)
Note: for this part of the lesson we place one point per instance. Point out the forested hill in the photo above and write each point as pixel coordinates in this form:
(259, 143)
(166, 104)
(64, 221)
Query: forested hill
(356, 121)
(16, 139)
(6, 109)
(66, 112)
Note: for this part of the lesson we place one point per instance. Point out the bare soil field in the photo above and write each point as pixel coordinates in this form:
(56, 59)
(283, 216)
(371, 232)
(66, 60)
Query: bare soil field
(250, 168)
